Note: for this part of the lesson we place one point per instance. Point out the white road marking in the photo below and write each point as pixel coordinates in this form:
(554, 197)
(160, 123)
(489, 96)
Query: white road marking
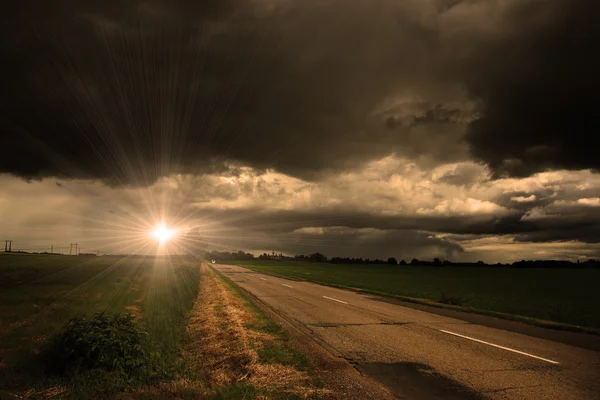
(331, 298)
(500, 347)
(264, 279)
(283, 284)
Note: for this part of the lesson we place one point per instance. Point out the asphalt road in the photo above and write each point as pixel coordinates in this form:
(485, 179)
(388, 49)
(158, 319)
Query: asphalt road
(400, 346)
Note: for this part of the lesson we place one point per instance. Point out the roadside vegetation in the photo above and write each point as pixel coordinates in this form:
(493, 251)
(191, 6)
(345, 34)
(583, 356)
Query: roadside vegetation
(57, 312)
(83, 327)
(566, 297)
(241, 352)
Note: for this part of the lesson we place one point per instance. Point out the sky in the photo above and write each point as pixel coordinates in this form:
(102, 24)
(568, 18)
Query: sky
(459, 129)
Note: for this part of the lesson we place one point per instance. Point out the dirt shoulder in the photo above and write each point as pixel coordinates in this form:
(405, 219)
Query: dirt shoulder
(239, 351)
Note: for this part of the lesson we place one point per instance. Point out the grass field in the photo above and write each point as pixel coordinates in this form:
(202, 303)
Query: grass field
(558, 295)
(40, 293)
(190, 330)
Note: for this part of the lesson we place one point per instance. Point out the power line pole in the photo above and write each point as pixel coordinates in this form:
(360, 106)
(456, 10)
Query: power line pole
(51, 248)
(7, 246)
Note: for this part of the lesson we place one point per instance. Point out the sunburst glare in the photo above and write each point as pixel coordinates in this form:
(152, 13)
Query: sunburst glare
(162, 233)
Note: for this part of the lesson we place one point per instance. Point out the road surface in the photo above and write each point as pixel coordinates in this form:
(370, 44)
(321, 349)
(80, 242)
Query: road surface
(401, 346)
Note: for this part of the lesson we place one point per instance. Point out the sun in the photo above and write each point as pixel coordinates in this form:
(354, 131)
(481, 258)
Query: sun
(162, 233)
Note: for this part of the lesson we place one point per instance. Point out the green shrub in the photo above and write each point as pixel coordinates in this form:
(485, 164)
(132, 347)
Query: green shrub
(102, 344)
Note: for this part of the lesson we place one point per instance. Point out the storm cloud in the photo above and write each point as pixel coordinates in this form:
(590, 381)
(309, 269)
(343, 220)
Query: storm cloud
(385, 128)
(539, 87)
(128, 96)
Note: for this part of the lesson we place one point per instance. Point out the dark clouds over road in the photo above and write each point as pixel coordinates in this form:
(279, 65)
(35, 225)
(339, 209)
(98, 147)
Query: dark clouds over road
(128, 93)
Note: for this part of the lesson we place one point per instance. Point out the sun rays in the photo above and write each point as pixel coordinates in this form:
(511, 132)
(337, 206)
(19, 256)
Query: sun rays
(163, 233)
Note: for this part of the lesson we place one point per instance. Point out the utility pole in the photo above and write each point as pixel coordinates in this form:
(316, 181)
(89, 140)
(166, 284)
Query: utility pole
(51, 248)
(7, 246)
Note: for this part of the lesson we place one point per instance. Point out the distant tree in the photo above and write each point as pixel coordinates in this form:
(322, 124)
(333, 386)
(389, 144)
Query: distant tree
(402, 262)
(436, 261)
(414, 261)
(318, 257)
(392, 261)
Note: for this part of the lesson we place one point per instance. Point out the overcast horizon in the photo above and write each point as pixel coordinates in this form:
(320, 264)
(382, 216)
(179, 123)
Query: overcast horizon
(459, 129)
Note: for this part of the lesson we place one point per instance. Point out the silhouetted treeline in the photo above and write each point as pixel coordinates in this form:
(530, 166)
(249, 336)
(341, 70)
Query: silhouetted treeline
(346, 260)
(556, 264)
(318, 257)
(228, 256)
(436, 262)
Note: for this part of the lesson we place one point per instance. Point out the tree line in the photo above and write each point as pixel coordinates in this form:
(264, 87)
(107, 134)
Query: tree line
(221, 256)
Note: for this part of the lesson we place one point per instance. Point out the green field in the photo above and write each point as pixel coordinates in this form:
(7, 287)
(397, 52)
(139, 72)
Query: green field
(40, 293)
(559, 295)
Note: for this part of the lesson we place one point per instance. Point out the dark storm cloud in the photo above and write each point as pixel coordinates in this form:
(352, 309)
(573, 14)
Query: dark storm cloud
(540, 88)
(82, 94)
(440, 114)
(585, 233)
(277, 222)
(347, 242)
(131, 91)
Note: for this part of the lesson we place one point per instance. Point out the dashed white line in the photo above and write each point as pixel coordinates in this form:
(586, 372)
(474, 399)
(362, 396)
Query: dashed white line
(331, 298)
(500, 347)
(283, 284)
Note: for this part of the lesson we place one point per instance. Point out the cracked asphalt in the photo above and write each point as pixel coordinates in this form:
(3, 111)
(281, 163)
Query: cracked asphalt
(419, 354)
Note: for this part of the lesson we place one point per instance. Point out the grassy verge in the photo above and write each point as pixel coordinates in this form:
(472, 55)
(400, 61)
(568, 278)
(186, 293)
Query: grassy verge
(549, 298)
(137, 328)
(44, 293)
(273, 351)
(243, 354)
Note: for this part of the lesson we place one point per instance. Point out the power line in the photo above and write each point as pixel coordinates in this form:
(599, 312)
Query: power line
(71, 248)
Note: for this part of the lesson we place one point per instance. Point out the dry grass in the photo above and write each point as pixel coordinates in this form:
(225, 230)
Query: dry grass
(46, 394)
(179, 389)
(221, 346)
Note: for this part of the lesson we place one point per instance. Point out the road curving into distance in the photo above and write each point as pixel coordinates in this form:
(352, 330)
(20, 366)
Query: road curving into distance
(403, 347)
